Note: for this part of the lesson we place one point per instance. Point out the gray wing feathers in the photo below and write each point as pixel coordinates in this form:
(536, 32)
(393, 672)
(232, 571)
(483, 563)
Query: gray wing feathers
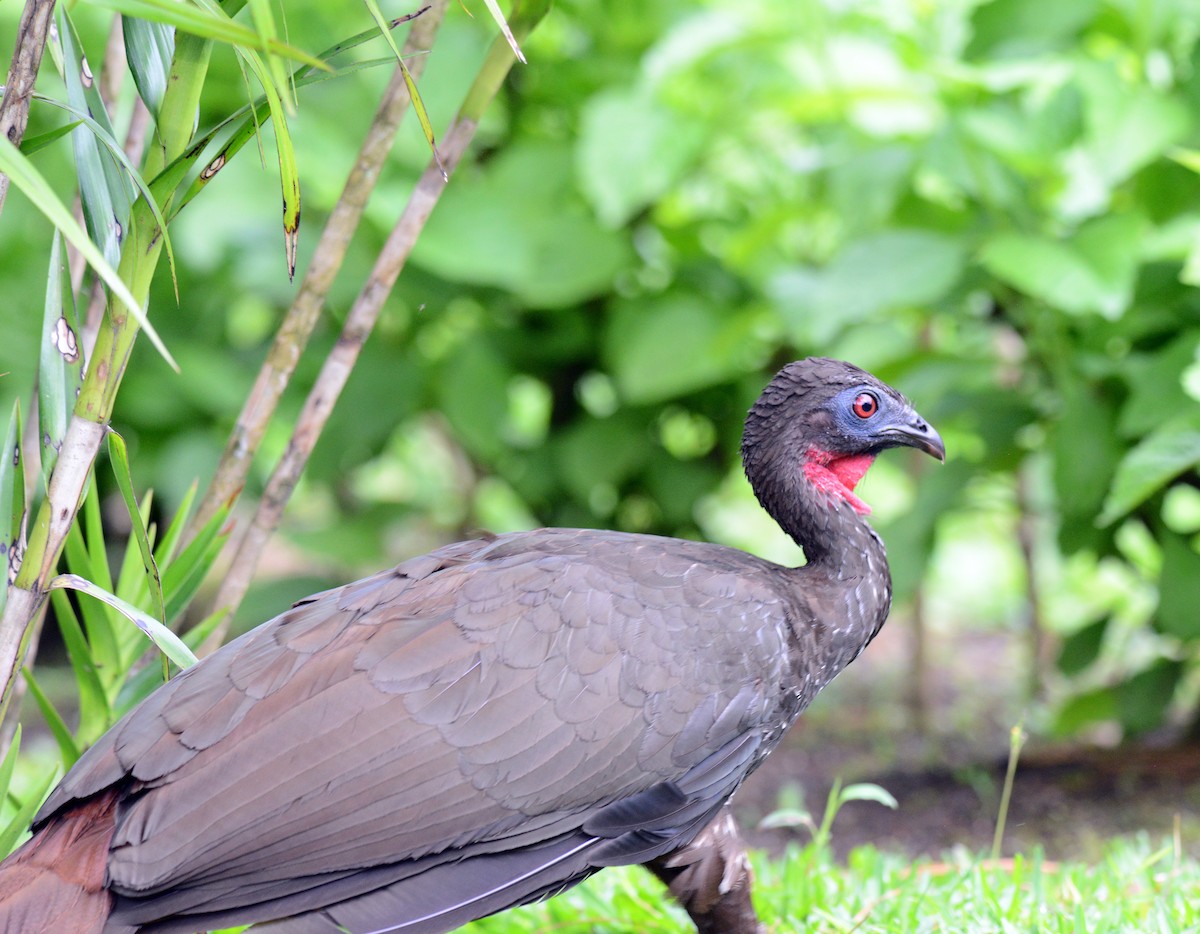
(495, 720)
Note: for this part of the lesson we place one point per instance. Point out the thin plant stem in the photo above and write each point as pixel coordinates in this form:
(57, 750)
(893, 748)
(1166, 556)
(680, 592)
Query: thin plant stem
(361, 319)
(330, 252)
(1015, 741)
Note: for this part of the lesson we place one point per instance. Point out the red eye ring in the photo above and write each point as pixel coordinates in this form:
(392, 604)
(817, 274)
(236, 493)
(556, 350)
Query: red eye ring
(865, 404)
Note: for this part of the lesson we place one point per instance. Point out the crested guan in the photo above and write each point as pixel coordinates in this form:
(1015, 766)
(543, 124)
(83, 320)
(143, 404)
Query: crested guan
(488, 724)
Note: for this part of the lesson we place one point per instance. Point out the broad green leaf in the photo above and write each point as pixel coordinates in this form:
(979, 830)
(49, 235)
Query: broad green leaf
(662, 349)
(1080, 649)
(1155, 379)
(1152, 464)
(894, 269)
(167, 642)
(119, 457)
(29, 180)
(1086, 453)
(67, 747)
(600, 452)
(1178, 588)
(631, 149)
(12, 499)
(519, 224)
(1143, 700)
(60, 369)
(1092, 273)
(1085, 709)
(471, 396)
(149, 48)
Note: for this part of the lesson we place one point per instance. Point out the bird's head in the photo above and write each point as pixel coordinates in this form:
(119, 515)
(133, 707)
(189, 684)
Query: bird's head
(829, 419)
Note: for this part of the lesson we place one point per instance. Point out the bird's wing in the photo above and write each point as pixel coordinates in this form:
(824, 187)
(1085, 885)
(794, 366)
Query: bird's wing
(505, 717)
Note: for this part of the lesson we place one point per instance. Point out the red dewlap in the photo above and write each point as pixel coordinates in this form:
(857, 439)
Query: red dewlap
(838, 476)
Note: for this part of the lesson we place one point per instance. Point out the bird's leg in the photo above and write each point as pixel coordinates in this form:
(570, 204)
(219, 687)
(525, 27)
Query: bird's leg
(711, 878)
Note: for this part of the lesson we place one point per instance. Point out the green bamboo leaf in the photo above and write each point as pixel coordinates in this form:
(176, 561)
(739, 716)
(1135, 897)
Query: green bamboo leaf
(117, 153)
(8, 764)
(149, 48)
(105, 194)
(1154, 462)
(140, 686)
(164, 551)
(67, 747)
(264, 24)
(33, 185)
(494, 9)
(60, 368)
(413, 94)
(166, 641)
(87, 554)
(119, 457)
(131, 581)
(251, 116)
(12, 501)
(11, 832)
(206, 21)
(183, 577)
(32, 144)
(95, 702)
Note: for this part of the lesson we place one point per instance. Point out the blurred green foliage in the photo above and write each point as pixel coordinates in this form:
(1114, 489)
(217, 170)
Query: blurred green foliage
(995, 206)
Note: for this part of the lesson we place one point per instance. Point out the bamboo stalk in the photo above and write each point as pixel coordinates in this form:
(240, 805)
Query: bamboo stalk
(89, 422)
(363, 314)
(330, 252)
(22, 74)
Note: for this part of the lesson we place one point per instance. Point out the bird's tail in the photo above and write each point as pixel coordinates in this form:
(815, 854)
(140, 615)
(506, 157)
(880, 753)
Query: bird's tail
(54, 884)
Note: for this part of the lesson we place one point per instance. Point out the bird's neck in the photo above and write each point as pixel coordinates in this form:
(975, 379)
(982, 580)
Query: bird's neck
(846, 582)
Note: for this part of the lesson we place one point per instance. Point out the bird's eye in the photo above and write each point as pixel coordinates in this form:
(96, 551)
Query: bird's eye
(865, 405)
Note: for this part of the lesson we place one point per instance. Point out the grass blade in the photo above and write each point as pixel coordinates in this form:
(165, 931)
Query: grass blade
(11, 832)
(60, 368)
(182, 578)
(95, 702)
(105, 194)
(67, 747)
(32, 144)
(208, 21)
(413, 94)
(86, 553)
(494, 9)
(166, 641)
(264, 24)
(118, 455)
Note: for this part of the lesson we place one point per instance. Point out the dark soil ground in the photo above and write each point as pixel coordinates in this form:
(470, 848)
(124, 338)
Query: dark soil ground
(948, 778)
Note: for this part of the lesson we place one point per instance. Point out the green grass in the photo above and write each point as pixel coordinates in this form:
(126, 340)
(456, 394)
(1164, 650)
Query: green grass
(1136, 887)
